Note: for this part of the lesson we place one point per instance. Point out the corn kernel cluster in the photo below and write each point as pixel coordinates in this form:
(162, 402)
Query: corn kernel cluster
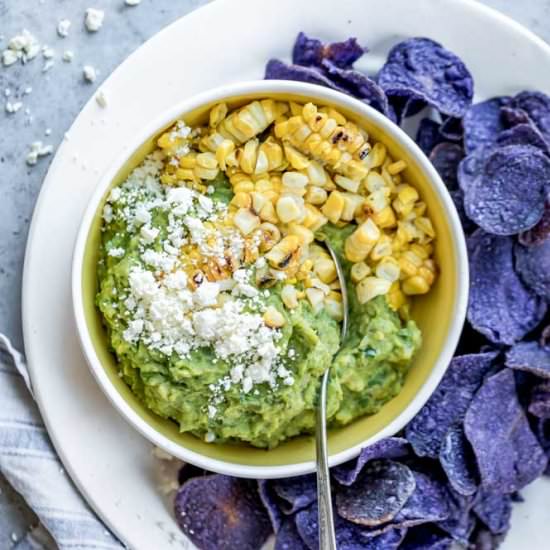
(293, 168)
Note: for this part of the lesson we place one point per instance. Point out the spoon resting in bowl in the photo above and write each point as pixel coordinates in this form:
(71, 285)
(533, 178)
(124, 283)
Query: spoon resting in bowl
(327, 536)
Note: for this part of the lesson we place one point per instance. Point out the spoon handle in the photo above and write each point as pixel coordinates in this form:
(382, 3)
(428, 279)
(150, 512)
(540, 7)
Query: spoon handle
(327, 537)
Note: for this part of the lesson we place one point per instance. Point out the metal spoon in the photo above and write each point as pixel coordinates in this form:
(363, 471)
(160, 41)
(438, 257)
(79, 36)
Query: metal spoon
(327, 535)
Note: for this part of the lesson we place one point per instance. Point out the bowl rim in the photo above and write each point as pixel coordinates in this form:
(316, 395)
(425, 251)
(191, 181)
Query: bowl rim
(266, 87)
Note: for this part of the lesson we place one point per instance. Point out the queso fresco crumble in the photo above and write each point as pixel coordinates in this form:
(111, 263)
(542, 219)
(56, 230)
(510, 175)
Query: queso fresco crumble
(221, 305)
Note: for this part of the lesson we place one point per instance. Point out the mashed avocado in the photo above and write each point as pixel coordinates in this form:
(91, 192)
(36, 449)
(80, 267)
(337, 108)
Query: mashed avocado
(368, 370)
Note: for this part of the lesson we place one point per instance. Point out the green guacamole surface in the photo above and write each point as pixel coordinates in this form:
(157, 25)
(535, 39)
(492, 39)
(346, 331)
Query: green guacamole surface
(368, 368)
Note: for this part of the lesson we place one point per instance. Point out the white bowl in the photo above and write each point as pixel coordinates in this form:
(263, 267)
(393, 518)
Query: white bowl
(440, 314)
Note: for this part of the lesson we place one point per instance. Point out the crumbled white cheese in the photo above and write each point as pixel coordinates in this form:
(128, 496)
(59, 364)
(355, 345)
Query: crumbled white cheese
(132, 2)
(9, 57)
(23, 46)
(63, 28)
(47, 52)
(101, 99)
(48, 132)
(89, 73)
(116, 252)
(148, 233)
(7, 92)
(68, 56)
(27, 90)
(13, 107)
(38, 149)
(93, 20)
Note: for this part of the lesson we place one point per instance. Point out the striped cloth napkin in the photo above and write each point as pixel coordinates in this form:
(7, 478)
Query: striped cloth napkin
(30, 464)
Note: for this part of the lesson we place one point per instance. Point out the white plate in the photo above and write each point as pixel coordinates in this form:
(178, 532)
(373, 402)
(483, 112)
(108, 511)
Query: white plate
(226, 41)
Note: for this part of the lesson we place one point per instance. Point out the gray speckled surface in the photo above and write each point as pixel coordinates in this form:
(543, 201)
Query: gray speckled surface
(57, 97)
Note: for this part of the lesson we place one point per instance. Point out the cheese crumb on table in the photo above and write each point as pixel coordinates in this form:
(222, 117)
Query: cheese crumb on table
(63, 28)
(101, 99)
(94, 19)
(132, 2)
(68, 56)
(13, 107)
(38, 149)
(23, 46)
(89, 73)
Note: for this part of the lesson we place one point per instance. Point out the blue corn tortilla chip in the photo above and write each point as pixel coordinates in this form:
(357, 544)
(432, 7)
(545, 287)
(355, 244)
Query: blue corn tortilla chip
(277, 70)
(461, 522)
(507, 453)
(391, 447)
(512, 115)
(422, 69)
(544, 339)
(377, 496)
(428, 135)
(446, 158)
(537, 106)
(483, 539)
(349, 536)
(358, 85)
(507, 196)
(271, 503)
(426, 537)
(288, 537)
(539, 405)
(533, 267)
(530, 357)
(500, 306)
(483, 123)
(446, 407)
(311, 52)
(458, 199)
(458, 462)
(523, 134)
(541, 231)
(494, 510)
(296, 493)
(222, 513)
(452, 129)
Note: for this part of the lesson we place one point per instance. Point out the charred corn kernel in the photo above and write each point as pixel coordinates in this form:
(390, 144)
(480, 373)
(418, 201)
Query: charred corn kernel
(217, 114)
(294, 180)
(388, 269)
(346, 183)
(249, 156)
(352, 203)
(407, 268)
(384, 218)
(427, 274)
(420, 208)
(207, 160)
(297, 160)
(375, 182)
(223, 154)
(288, 209)
(407, 194)
(273, 318)
(334, 206)
(270, 236)
(315, 297)
(268, 214)
(259, 200)
(289, 296)
(246, 220)
(377, 200)
(412, 257)
(425, 225)
(396, 298)
(314, 282)
(316, 174)
(376, 156)
(241, 200)
(325, 269)
(396, 167)
(359, 271)
(415, 285)
(371, 287)
(283, 253)
(420, 250)
(381, 249)
(361, 241)
(303, 233)
(315, 195)
(313, 218)
(334, 308)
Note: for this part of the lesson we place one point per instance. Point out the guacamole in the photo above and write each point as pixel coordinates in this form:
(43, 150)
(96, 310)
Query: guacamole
(201, 385)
